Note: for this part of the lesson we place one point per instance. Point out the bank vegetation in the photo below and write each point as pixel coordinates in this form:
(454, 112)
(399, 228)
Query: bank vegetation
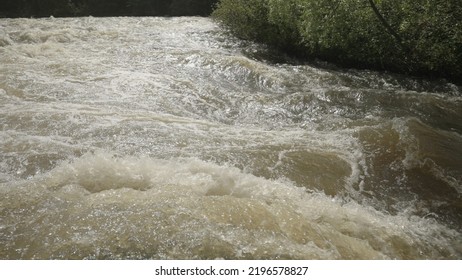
(421, 37)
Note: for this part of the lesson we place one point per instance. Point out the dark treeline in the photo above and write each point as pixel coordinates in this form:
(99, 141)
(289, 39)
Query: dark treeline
(69, 8)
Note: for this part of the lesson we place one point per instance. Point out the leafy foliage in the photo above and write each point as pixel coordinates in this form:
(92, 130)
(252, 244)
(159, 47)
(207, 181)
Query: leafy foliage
(419, 37)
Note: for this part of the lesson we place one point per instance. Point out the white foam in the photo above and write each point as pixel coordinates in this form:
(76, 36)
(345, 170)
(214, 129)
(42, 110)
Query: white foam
(242, 211)
(150, 90)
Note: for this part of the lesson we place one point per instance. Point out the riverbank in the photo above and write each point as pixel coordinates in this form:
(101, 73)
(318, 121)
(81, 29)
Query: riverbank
(403, 37)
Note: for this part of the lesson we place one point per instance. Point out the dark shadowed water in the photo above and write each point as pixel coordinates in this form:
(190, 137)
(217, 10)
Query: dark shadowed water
(165, 138)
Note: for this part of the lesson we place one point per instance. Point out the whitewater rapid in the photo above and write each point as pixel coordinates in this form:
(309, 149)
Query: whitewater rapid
(166, 138)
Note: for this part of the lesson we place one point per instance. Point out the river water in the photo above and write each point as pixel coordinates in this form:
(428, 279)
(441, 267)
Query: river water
(165, 138)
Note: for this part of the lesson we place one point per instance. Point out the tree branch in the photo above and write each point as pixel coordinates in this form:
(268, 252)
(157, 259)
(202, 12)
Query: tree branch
(387, 26)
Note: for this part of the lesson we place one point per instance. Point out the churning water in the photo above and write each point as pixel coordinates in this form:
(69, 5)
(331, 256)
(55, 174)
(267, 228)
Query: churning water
(165, 138)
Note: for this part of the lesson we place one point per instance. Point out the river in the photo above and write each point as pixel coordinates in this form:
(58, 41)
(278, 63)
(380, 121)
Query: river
(166, 138)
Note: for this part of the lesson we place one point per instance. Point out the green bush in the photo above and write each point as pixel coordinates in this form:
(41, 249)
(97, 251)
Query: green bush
(408, 36)
(246, 18)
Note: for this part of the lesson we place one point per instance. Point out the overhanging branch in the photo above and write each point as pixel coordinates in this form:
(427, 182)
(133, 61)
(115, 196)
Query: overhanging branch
(387, 26)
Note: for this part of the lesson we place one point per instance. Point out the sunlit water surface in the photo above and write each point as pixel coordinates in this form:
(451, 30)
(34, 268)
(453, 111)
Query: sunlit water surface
(165, 138)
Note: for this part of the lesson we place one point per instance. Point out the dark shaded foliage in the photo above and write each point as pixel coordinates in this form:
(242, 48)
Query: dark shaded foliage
(66, 8)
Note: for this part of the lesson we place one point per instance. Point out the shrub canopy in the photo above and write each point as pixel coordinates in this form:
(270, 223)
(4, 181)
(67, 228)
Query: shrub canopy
(407, 36)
